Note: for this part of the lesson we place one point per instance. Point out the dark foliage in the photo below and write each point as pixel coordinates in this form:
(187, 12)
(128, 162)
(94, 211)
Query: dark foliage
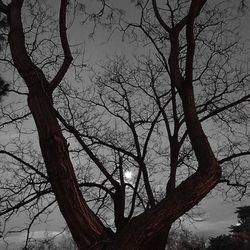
(224, 242)
(244, 220)
(240, 237)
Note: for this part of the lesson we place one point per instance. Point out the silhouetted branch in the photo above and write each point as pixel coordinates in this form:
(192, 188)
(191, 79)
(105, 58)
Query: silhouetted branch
(159, 18)
(24, 163)
(233, 156)
(65, 45)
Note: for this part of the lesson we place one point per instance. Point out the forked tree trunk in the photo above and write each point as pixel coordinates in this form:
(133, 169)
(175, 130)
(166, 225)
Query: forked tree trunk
(147, 231)
(144, 228)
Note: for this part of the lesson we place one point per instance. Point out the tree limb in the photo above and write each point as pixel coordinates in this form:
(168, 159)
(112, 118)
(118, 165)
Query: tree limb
(233, 156)
(159, 18)
(65, 45)
(194, 11)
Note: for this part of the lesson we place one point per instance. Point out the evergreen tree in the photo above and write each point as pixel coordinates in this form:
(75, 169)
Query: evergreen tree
(240, 237)
(243, 225)
(224, 242)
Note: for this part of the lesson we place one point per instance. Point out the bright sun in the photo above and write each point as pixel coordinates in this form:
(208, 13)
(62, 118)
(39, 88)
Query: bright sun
(128, 174)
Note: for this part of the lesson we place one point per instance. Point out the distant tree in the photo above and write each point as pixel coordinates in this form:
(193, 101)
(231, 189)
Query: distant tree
(184, 240)
(224, 242)
(240, 237)
(243, 225)
(61, 241)
(44, 244)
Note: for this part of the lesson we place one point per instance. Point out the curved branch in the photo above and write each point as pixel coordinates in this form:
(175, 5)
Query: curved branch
(233, 156)
(159, 18)
(25, 67)
(65, 45)
(80, 218)
(195, 7)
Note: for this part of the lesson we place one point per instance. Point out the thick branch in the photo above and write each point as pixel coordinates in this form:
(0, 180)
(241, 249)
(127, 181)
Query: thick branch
(233, 156)
(22, 61)
(194, 10)
(65, 45)
(84, 225)
(193, 189)
(175, 73)
(199, 141)
(144, 227)
(159, 18)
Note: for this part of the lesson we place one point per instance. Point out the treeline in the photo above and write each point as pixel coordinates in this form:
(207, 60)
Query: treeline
(239, 238)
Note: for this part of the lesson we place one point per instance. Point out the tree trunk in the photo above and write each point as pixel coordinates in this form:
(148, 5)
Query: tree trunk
(85, 227)
(159, 241)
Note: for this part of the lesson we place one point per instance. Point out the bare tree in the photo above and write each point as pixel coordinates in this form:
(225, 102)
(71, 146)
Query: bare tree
(143, 115)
